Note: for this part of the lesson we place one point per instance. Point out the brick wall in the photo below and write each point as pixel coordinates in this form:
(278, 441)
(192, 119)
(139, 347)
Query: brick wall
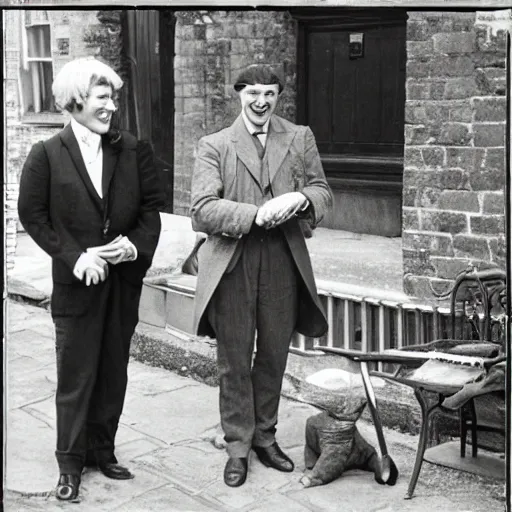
(21, 134)
(211, 48)
(454, 163)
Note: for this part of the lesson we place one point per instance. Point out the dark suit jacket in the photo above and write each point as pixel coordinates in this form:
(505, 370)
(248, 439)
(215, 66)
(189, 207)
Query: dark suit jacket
(226, 193)
(61, 210)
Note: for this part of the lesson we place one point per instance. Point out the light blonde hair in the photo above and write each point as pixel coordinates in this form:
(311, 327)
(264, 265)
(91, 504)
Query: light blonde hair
(73, 82)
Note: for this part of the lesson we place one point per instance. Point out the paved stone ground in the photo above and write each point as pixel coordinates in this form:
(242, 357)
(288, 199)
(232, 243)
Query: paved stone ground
(165, 438)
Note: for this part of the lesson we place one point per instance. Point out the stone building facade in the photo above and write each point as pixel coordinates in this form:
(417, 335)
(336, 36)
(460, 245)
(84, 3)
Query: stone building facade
(454, 161)
(453, 204)
(210, 50)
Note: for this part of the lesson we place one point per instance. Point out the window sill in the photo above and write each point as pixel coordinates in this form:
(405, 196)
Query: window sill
(44, 119)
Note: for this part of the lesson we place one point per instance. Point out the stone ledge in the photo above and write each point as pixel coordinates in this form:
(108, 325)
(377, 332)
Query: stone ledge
(195, 358)
(17, 287)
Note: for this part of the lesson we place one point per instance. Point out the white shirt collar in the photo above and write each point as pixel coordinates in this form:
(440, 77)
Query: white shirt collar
(250, 127)
(84, 135)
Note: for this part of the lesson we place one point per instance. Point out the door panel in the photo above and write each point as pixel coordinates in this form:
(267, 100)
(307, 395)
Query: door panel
(355, 108)
(149, 46)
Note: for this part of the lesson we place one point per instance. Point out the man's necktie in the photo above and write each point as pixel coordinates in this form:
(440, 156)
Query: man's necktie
(264, 178)
(258, 144)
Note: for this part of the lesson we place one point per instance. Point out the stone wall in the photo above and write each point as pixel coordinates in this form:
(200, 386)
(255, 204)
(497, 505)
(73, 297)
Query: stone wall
(454, 163)
(23, 131)
(211, 48)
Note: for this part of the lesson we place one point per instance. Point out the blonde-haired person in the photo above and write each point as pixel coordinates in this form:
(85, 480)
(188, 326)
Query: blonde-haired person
(76, 77)
(90, 199)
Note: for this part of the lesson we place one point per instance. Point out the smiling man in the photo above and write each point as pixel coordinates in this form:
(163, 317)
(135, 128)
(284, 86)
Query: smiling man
(252, 183)
(89, 197)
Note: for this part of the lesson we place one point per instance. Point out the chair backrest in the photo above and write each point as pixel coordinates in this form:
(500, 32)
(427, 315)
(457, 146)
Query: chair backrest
(478, 306)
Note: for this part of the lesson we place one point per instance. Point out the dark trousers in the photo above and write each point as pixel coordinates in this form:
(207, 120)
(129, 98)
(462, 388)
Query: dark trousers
(259, 294)
(92, 360)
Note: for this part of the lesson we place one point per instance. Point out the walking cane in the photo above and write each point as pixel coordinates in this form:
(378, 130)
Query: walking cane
(388, 471)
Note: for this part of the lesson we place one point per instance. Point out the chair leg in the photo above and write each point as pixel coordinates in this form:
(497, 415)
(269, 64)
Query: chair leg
(463, 429)
(474, 429)
(426, 412)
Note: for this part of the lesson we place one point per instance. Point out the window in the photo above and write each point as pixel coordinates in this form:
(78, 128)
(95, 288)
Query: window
(36, 64)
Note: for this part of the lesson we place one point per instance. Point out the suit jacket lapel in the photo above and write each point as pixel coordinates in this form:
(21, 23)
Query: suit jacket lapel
(69, 140)
(110, 156)
(245, 148)
(278, 143)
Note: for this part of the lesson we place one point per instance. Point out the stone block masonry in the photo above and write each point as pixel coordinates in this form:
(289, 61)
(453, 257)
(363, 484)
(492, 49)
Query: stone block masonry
(211, 49)
(454, 159)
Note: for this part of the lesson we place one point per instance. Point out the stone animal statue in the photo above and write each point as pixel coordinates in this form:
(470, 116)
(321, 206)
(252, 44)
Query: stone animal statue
(333, 442)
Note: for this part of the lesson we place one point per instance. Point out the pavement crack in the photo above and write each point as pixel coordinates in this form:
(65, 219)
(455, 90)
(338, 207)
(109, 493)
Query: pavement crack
(145, 434)
(38, 416)
(147, 491)
(156, 393)
(33, 402)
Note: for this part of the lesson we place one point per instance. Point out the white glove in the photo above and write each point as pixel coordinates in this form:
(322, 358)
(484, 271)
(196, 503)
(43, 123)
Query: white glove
(117, 251)
(280, 209)
(93, 267)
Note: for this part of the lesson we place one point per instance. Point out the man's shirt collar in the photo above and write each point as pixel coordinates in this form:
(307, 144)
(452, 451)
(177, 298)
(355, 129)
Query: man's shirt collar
(84, 135)
(251, 129)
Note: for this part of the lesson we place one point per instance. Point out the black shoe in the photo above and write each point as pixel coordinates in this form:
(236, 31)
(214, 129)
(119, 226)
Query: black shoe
(273, 457)
(115, 471)
(235, 471)
(68, 487)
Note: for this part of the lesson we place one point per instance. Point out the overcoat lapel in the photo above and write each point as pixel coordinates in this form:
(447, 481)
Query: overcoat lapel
(245, 148)
(69, 140)
(278, 143)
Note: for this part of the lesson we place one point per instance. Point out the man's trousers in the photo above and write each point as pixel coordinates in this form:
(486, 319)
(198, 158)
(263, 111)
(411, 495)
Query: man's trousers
(92, 361)
(259, 295)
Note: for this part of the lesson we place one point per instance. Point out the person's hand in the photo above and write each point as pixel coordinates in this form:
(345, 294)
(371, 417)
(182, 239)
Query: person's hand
(128, 254)
(118, 250)
(280, 209)
(111, 250)
(91, 267)
(92, 276)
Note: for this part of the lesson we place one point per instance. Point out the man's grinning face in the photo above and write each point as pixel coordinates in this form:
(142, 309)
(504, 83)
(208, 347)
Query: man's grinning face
(97, 109)
(259, 102)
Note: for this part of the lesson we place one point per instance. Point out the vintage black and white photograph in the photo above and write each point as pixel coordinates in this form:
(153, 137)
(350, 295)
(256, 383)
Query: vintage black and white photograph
(256, 257)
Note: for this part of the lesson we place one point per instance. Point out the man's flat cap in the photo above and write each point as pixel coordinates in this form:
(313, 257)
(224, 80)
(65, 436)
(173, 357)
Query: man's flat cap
(258, 74)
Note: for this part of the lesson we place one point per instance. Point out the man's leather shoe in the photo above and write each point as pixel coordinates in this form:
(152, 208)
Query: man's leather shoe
(273, 457)
(235, 471)
(68, 487)
(115, 471)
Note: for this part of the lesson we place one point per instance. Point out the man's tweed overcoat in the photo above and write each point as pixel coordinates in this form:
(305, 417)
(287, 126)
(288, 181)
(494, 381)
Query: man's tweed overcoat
(226, 193)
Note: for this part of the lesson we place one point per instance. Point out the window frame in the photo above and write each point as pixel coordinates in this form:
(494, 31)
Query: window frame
(43, 118)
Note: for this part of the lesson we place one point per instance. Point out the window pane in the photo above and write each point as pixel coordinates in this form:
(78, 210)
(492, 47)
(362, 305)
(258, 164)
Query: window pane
(38, 39)
(40, 98)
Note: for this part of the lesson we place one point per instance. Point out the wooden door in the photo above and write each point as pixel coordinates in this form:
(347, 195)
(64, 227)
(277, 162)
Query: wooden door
(354, 101)
(149, 47)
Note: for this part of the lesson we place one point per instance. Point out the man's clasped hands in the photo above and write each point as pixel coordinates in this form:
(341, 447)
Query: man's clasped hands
(280, 209)
(92, 265)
